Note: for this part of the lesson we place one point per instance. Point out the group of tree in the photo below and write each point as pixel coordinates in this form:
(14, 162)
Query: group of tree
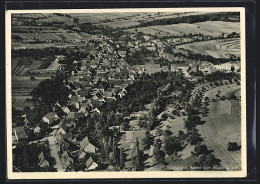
(192, 121)
(91, 28)
(219, 75)
(138, 157)
(140, 57)
(158, 153)
(172, 143)
(207, 162)
(26, 158)
(48, 92)
(147, 140)
(190, 19)
(140, 93)
(233, 146)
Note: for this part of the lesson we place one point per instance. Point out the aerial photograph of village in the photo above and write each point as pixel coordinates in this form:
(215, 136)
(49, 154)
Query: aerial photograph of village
(126, 91)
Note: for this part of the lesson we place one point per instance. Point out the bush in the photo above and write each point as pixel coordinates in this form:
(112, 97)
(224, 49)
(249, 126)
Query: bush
(201, 149)
(164, 116)
(216, 83)
(223, 98)
(232, 146)
(214, 100)
(32, 78)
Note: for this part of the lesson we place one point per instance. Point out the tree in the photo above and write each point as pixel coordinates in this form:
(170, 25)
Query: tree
(181, 135)
(192, 121)
(207, 162)
(32, 78)
(147, 140)
(137, 157)
(172, 145)
(122, 158)
(115, 155)
(111, 118)
(201, 149)
(194, 137)
(76, 20)
(167, 132)
(232, 146)
(159, 155)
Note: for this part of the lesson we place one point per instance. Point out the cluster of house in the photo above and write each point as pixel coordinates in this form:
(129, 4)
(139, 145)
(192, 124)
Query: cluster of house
(136, 45)
(71, 150)
(150, 67)
(205, 67)
(174, 58)
(92, 87)
(193, 38)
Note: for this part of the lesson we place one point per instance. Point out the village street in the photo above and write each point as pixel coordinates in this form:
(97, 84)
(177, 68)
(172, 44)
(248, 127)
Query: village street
(54, 153)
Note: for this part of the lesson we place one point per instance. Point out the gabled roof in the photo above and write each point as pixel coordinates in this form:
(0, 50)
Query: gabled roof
(79, 99)
(78, 115)
(50, 115)
(84, 142)
(80, 153)
(70, 115)
(61, 141)
(68, 136)
(89, 161)
(83, 105)
(90, 148)
(75, 141)
(74, 98)
(63, 126)
(108, 93)
(20, 132)
(37, 129)
(41, 156)
(65, 155)
(100, 86)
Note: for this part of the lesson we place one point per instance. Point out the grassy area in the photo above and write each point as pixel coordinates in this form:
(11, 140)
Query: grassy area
(223, 125)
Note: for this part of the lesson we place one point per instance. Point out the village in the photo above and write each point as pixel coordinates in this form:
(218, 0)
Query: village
(104, 77)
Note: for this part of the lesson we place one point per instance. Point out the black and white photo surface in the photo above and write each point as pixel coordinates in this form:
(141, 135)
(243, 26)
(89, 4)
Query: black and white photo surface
(126, 93)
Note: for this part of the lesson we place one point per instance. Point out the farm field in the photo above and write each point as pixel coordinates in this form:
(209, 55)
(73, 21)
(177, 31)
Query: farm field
(215, 48)
(213, 28)
(16, 65)
(120, 24)
(54, 18)
(143, 16)
(17, 46)
(19, 104)
(48, 36)
(223, 125)
(30, 15)
(21, 87)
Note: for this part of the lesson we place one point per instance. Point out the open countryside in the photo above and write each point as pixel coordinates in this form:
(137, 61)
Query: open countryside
(141, 91)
